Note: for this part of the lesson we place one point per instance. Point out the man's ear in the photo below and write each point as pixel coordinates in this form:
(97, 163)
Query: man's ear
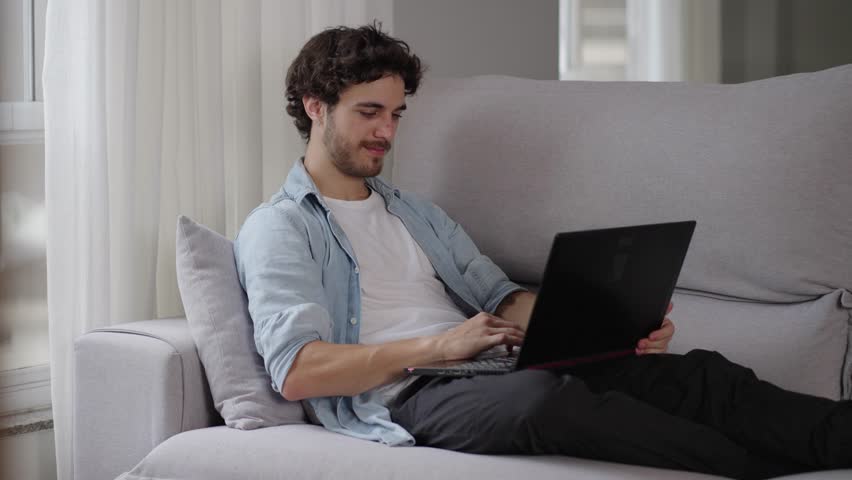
(315, 108)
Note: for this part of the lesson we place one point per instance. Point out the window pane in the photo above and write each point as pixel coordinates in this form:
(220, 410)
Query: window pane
(23, 270)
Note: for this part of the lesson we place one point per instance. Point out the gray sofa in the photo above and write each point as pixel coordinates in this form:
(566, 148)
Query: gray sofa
(764, 167)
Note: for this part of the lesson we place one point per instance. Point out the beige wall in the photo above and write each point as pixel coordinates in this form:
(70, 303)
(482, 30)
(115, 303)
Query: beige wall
(458, 38)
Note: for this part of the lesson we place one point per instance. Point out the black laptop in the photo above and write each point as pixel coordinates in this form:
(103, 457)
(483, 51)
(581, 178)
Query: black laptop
(602, 292)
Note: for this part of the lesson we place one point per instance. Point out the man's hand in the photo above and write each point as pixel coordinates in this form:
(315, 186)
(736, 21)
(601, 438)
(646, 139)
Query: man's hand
(658, 340)
(478, 334)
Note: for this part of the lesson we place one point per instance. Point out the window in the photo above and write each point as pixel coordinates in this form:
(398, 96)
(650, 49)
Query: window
(653, 40)
(24, 351)
(593, 39)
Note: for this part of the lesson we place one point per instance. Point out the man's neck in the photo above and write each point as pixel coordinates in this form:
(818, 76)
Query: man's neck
(330, 181)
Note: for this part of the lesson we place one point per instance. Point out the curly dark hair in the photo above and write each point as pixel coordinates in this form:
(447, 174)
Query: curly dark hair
(340, 57)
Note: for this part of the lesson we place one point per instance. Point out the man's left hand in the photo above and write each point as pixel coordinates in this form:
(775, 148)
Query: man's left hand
(658, 340)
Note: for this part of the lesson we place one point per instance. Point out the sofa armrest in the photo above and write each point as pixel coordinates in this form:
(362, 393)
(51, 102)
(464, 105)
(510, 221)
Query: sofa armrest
(136, 384)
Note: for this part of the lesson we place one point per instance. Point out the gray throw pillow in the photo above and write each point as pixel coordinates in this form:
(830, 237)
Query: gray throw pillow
(219, 322)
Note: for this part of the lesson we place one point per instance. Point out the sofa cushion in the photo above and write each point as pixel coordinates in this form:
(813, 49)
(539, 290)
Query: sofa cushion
(800, 346)
(764, 167)
(308, 451)
(217, 313)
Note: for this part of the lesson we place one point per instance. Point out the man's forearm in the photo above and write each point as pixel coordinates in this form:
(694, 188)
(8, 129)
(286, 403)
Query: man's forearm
(517, 308)
(326, 369)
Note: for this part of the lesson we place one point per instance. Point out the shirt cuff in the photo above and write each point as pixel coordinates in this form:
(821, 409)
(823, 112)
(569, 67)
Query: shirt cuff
(505, 289)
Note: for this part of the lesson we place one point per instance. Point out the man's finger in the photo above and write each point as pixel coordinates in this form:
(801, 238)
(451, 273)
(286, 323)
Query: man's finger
(505, 339)
(649, 344)
(665, 331)
(507, 330)
(649, 351)
(498, 322)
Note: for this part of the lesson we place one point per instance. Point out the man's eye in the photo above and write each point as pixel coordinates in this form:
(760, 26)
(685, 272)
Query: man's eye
(368, 114)
(397, 116)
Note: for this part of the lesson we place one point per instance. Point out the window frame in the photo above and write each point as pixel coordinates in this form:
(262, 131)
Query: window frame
(22, 122)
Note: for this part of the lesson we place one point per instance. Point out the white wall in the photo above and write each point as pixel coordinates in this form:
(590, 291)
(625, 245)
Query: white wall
(459, 38)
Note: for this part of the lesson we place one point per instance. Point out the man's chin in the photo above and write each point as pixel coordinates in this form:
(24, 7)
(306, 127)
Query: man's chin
(374, 167)
(367, 171)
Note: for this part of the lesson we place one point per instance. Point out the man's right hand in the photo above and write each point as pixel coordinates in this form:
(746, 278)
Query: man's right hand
(478, 334)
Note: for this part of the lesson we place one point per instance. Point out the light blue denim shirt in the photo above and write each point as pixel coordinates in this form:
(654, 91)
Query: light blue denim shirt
(302, 280)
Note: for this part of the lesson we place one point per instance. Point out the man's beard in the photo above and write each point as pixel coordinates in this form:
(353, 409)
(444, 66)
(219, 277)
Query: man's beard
(343, 154)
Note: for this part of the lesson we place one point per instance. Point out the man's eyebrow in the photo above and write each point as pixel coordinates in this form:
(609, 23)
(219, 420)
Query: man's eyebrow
(378, 105)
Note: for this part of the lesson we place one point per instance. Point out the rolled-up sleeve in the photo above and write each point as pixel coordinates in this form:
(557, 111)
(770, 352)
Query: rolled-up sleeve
(283, 283)
(488, 282)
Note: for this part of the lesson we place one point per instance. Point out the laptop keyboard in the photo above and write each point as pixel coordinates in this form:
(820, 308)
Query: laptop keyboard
(499, 363)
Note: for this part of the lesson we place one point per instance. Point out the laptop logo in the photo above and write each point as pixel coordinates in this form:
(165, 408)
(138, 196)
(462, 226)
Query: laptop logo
(620, 260)
(618, 267)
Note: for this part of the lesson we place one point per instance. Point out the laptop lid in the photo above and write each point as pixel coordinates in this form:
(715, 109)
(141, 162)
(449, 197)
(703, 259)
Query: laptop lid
(602, 291)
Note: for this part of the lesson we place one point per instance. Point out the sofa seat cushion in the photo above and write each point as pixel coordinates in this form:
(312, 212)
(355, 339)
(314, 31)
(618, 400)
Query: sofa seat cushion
(309, 451)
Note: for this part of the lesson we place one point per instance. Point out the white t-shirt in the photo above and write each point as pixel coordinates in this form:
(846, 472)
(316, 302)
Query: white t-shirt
(401, 295)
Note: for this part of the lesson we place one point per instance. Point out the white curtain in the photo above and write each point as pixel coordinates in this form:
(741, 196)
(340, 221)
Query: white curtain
(156, 108)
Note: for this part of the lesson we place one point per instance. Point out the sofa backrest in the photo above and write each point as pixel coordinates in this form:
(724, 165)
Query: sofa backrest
(764, 167)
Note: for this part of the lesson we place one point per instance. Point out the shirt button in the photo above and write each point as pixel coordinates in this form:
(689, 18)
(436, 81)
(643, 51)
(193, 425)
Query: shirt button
(356, 270)
(353, 320)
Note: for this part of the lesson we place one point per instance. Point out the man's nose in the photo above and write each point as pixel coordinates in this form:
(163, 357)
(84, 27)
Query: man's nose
(387, 129)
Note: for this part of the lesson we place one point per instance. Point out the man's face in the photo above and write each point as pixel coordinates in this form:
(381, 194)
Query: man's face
(361, 127)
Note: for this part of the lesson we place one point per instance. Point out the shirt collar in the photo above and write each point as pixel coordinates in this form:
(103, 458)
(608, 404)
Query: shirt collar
(299, 185)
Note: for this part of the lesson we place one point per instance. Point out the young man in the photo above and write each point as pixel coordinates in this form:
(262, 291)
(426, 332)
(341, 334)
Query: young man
(350, 280)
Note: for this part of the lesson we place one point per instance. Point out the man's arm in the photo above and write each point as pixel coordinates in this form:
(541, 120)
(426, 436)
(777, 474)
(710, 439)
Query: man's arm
(325, 369)
(517, 308)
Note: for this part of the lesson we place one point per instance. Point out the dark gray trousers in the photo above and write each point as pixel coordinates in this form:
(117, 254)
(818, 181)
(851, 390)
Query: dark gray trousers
(696, 412)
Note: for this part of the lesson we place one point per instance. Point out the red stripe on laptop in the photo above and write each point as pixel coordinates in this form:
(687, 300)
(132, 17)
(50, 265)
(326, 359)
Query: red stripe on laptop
(581, 360)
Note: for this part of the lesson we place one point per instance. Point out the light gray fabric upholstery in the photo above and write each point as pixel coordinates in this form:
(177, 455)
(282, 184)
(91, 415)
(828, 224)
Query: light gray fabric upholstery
(217, 312)
(306, 451)
(764, 167)
(799, 346)
(135, 385)
(828, 475)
